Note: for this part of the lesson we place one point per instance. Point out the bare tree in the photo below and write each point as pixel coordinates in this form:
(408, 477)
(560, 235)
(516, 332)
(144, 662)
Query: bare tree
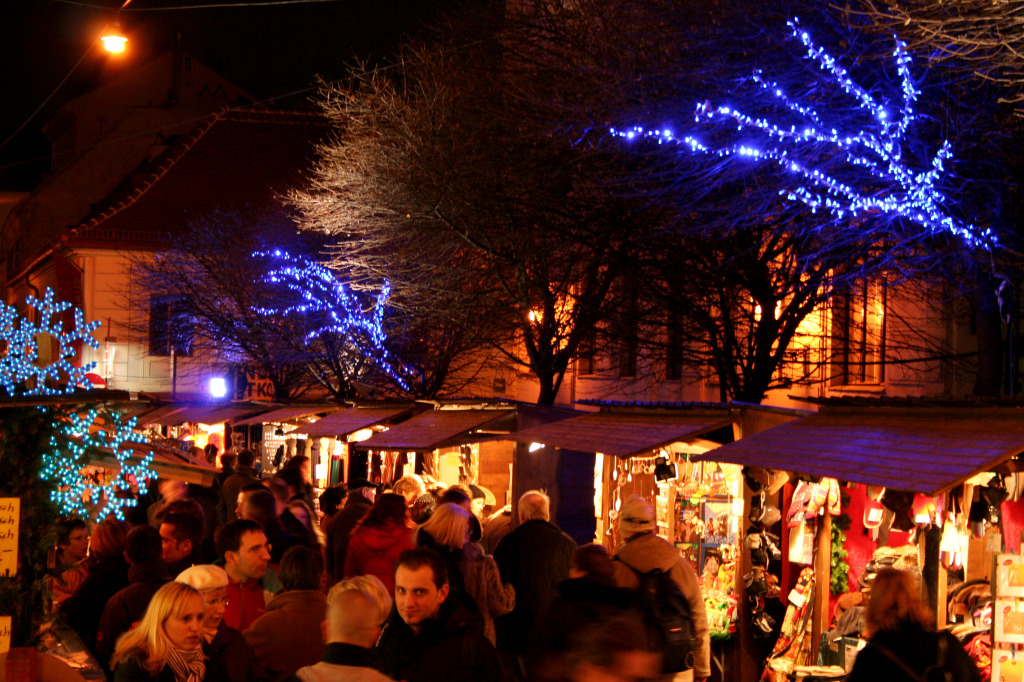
(439, 182)
(980, 37)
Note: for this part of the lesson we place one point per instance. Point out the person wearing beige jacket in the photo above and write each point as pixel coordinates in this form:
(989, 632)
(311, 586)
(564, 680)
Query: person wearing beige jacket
(644, 551)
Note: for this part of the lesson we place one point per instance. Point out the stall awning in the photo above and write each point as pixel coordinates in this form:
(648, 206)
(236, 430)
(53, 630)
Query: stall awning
(167, 464)
(925, 450)
(623, 434)
(153, 415)
(350, 420)
(204, 414)
(285, 414)
(433, 429)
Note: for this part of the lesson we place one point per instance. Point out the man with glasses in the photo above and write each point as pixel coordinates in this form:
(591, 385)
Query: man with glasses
(228, 655)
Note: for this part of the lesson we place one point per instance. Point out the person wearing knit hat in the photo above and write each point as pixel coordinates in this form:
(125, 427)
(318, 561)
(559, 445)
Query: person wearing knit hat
(640, 551)
(228, 655)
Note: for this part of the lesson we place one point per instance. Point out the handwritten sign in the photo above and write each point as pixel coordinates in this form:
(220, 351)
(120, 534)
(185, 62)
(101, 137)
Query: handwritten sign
(5, 634)
(10, 512)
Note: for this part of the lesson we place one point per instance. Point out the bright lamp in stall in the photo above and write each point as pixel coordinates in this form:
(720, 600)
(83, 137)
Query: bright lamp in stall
(113, 39)
(664, 471)
(534, 447)
(218, 387)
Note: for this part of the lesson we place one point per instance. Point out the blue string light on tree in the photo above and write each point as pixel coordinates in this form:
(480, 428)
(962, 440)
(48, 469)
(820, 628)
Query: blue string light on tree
(331, 307)
(20, 373)
(76, 435)
(848, 173)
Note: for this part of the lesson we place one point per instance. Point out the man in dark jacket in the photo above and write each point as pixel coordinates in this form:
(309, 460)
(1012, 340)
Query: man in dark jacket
(147, 572)
(244, 475)
(535, 558)
(361, 494)
(428, 638)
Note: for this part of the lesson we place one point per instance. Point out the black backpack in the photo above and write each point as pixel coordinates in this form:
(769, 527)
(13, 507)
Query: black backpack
(666, 613)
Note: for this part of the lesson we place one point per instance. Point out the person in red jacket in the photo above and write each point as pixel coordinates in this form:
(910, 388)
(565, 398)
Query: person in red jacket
(379, 540)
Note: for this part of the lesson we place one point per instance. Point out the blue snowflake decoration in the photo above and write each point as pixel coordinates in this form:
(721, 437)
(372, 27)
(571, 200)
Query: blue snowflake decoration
(333, 306)
(75, 435)
(19, 365)
(806, 142)
(95, 496)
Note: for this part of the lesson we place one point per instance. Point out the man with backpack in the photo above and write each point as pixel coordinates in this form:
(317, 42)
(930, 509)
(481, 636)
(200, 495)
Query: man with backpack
(668, 593)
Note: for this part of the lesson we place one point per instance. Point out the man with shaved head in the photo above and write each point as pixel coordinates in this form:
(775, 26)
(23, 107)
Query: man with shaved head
(352, 626)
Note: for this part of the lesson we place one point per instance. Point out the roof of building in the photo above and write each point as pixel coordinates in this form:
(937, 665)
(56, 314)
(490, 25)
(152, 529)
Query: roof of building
(236, 159)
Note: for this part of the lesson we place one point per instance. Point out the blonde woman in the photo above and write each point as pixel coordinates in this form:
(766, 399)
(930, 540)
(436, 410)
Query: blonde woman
(469, 570)
(167, 644)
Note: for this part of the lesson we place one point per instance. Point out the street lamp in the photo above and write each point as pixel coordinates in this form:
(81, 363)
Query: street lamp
(113, 39)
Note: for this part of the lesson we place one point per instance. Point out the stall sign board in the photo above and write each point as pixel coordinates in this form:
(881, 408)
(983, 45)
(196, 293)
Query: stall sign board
(10, 512)
(5, 634)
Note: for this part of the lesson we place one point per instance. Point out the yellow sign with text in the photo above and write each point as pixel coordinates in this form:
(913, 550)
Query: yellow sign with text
(10, 512)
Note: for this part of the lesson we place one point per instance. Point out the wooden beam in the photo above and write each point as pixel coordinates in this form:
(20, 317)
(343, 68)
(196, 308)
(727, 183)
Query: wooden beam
(822, 584)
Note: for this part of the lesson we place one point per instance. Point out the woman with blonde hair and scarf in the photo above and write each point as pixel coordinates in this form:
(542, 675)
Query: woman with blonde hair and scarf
(167, 644)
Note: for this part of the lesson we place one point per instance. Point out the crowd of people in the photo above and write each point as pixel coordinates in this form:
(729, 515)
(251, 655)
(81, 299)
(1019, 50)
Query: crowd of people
(248, 580)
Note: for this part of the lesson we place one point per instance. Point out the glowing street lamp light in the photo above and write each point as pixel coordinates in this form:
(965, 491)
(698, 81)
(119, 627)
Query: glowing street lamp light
(113, 39)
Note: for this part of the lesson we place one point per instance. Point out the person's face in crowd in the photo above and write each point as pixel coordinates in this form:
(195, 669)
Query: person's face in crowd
(171, 548)
(629, 666)
(253, 556)
(78, 545)
(216, 602)
(184, 629)
(307, 473)
(417, 598)
(477, 507)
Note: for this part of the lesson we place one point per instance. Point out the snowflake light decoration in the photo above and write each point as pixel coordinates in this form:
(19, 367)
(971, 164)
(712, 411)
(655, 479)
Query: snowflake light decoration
(333, 305)
(74, 434)
(867, 172)
(22, 337)
(70, 446)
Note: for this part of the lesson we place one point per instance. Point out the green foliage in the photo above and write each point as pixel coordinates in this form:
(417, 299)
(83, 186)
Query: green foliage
(24, 435)
(839, 568)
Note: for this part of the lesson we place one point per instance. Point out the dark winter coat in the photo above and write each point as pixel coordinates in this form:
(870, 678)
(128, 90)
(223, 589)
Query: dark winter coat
(229, 658)
(130, 670)
(374, 551)
(288, 637)
(233, 484)
(580, 602)
(339, 532)
(450, 648)
(535, 558)
(84, 608)
(918, 649)
(128, 605)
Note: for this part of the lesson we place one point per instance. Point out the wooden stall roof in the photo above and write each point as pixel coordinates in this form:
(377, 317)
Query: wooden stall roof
(921, 449)
(204, 414)
(624, 434)
(285, 414)
(168, 464)
(349, 420)
(433, 429)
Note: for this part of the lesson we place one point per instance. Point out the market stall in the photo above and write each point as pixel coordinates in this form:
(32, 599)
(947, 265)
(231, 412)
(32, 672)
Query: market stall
(920, 484)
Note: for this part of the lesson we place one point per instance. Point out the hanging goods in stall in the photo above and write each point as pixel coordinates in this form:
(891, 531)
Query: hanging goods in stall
(666, 612)
(793, 647)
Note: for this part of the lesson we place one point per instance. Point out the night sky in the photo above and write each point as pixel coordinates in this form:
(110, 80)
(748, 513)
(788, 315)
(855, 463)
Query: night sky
(270, 51)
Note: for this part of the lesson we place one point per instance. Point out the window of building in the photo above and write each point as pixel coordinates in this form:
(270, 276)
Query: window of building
(170, 326)
(858, 335)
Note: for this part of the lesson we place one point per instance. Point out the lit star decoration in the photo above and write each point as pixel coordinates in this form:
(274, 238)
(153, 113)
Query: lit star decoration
(21, 375)
(337, 310)
(86, 496)
(880, 181)
(22, 337)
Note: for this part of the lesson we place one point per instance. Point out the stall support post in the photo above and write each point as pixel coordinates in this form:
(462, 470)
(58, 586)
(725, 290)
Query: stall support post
(822, 583)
